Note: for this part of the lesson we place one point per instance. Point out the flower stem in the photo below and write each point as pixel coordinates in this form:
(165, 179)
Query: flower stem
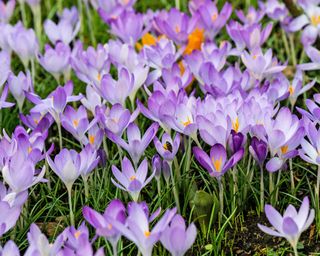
(23, 13)
(291, 177)
(261, 189)
(271, 186)
(293, 50)
(60, 135)
(178, 4)
(115, 249)
(175, 190)
(93, 39)
(69, 188)
(295, 251)
(86, 187)
(285, 42)
(220, 201)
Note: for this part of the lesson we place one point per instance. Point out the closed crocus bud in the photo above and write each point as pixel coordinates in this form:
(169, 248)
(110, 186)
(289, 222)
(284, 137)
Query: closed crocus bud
(6, 10)
(258, 150)
(156, 166)
(10, 248)
(237, 141)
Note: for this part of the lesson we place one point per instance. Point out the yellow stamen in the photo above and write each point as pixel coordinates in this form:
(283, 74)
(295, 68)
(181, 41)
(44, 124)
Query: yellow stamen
(109, 226)
(284, 149)
(77, 234)
(217, 164)
(254, 57)
(147, 233)
(91, 139)
(291, 89)
(177, 29)
(132, 178)
(235, 125)
(99, 77)
(165, 146)
(29, 150)
(214, 17)
(185, 124)
(75, 123)
(315, 20)
(148, 39)
(195, 39)
(35, 121)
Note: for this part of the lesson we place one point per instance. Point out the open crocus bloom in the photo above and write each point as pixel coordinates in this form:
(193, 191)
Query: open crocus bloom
(217, 164)
(131, 180)
(291, 224)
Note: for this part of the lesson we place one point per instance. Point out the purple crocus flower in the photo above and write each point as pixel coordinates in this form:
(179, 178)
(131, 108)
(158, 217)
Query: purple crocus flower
(253, 16)
(88, 160)
(8, 216)
(24, 43)
(94, 136)
(66, 165)
(75, 121)
(3, 103)
(116, 119)
(116, 91)
(39, 244)
(211, 20)
(310, 21)
(92, 64)
(19, 172)
(112, 9)
(56, 60)
(65, 30)
(136, 145)
(261, 65)
(217, 164)
(18, 85)
(6, 10)
(137, 228)
(10, 248)
(275, 10)
(128, 27)
(259, 150)
(130, 180)
(310, 148)
(296, 88)
(167, 148)
(5, 70)
(36, 121)
(291, 224)
(115, 211)
(176, 238)
(92, 99)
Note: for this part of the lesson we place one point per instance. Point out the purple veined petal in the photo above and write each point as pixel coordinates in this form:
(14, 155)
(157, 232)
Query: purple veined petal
(120, 176)
(142, 171)
(218, 156)
(116, 139)
(289, 226)
(309, 66)
(133, 132)
(127, 168)
(155, 214)
(135, 186)
(274, 164)
(94, 218)
(303, 212)
(59, 99)
(178, 238)
(269, 231)
(203, 159)
(309, 220)
(274, 217)
(118, 185)
(290, 212)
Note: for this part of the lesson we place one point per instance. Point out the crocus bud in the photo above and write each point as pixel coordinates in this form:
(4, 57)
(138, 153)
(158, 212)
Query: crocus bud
(156, 166)
(166, 170)
(258, 150)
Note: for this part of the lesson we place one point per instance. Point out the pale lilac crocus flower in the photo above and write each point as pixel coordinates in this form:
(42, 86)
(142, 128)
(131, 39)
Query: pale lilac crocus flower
(291, 224)
(10, 248)
(167, 147)
(5, 62)
(314, 55)
(6, 10)
(136, 144)
(137, 227)
(130, 180)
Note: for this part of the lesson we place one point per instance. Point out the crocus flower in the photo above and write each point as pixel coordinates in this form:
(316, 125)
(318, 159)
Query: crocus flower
(66, 165)
(6, 10)
(5, 62)
(94, 136)
(111, 10)
(37, 121)
(261, 65)
(116, 119)
(137, 227)
(18, 85)
(56, 60)
(8, 217)
(253, 16)
(176, 238)
(116, 91)
(130, 180)
(24, 43)
(75, 121)
(275, 10)
(211, 20)
(167, 148)
(88, 160)
(91, 64)
(65, 30)
(19, 173)
(3, 103)
(217, 164)
(115, 211)
(310, 20)
(291, 224)
(92, 99)
(128, 27)
(10, 248)
(136, 145)
(259, 150)
(39, 244)
(296, 88)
